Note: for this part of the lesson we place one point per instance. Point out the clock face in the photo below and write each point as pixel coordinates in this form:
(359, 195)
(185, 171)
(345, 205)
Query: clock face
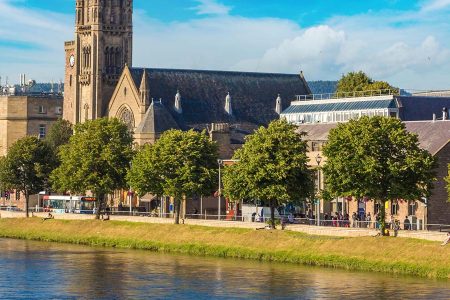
(72, 60)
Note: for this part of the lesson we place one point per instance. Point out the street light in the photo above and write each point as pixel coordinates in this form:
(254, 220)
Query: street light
(318, 161)
(220, 162)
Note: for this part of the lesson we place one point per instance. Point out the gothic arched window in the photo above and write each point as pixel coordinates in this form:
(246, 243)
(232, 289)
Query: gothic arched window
(126, 116)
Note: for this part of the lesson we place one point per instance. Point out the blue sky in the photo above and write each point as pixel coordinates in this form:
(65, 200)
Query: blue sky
(402, 41)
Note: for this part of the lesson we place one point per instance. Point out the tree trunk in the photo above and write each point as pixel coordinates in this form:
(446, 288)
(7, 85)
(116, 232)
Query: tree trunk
(177, 210)
(272, 214)
(383, 218)
(27, 203)
(98, 213)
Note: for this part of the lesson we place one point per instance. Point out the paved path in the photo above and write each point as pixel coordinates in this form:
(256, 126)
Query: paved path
(316, 230)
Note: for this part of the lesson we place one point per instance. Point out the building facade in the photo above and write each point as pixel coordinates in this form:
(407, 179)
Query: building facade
(95, 59)
(100, 81)
(319, 109)
(434, 136)
(22, 115)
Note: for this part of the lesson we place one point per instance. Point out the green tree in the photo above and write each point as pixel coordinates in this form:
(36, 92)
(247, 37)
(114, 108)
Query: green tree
(377, 158)
(180, 165)
(26, 167)
(361, 83)
(59, 134)
(2, 180)
(272, 167)
(96, 159)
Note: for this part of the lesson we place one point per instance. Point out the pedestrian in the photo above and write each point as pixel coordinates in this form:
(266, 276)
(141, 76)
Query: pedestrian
(354, 219)
(368, 219)
(396, 227)
(346, 220)
(447, 239)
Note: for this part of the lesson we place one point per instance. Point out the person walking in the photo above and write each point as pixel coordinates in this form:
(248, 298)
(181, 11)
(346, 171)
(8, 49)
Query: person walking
(368, 220)
(447, 239)
(354, 219)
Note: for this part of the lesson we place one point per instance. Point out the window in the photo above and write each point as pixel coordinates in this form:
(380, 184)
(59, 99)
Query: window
(42, 109)
(58, 110)
(394, 207)
(412, 207)
(70, 80)
(42, 131)
(315, 146)
(376, 208)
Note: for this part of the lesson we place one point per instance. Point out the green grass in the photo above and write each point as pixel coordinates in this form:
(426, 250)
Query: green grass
(381, 254)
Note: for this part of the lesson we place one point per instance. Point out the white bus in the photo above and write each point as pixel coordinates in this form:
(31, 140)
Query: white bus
(69, 204)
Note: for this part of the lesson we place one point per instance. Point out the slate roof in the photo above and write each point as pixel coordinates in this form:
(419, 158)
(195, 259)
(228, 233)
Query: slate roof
(340, 106)
(203, 94)
(418, 108)
(157, 120)
(432, 135)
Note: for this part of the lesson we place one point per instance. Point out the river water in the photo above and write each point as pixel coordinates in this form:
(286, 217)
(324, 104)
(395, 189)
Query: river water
(37, 270)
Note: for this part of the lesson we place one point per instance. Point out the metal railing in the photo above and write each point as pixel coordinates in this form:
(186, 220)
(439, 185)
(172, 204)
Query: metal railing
(340, 95)
(252, 218)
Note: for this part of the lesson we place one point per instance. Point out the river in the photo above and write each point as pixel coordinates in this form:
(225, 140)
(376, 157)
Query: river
(38, 270)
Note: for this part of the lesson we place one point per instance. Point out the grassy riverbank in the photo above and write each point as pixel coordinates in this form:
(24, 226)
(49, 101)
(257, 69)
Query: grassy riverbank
(390, 255)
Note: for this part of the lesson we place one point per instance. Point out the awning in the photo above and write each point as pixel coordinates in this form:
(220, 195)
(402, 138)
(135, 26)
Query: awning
(148, 198)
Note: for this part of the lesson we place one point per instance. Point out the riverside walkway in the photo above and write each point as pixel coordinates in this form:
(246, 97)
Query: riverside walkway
(315, 230)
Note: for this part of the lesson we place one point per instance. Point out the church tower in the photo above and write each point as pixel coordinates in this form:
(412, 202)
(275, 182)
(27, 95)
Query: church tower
(96, 58)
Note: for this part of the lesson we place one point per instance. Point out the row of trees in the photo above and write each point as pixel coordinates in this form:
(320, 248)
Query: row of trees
(370, 157)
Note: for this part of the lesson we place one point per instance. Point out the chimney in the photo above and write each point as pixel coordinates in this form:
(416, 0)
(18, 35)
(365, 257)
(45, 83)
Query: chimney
(444, 113)
(434, 117)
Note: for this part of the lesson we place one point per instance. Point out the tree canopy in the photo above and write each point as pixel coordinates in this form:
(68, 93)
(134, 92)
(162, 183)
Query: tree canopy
(378, 159)
(59, 134)
(361, 82)
(272, 166)
(96, 159)
(26, 167)
(180, 165)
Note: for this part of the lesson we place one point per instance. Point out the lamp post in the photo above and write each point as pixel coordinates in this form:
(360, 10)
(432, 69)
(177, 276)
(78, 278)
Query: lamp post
(318, 161)
(220, 162)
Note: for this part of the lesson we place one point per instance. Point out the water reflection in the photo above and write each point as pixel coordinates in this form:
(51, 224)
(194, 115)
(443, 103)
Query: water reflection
(35, 270)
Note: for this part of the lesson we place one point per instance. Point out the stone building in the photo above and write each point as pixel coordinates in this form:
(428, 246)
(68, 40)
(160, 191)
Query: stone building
(23, 114)
(27, 114)
(434, 136)
(317, 109)
(101, 81)
(96, 57)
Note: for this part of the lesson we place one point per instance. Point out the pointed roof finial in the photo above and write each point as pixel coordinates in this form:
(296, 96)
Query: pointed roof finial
(278, 105)
(228, 107)
(177, 105)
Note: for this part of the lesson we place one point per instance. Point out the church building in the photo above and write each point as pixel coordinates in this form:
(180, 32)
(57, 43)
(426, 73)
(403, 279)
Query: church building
(101, 81)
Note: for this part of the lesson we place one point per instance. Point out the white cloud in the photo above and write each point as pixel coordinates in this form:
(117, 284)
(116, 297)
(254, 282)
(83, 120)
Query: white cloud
(38, 36)
(434, 5)
(408, 49)
(211, 7)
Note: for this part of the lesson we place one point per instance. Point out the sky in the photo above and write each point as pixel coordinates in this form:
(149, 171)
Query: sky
(404, 42)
